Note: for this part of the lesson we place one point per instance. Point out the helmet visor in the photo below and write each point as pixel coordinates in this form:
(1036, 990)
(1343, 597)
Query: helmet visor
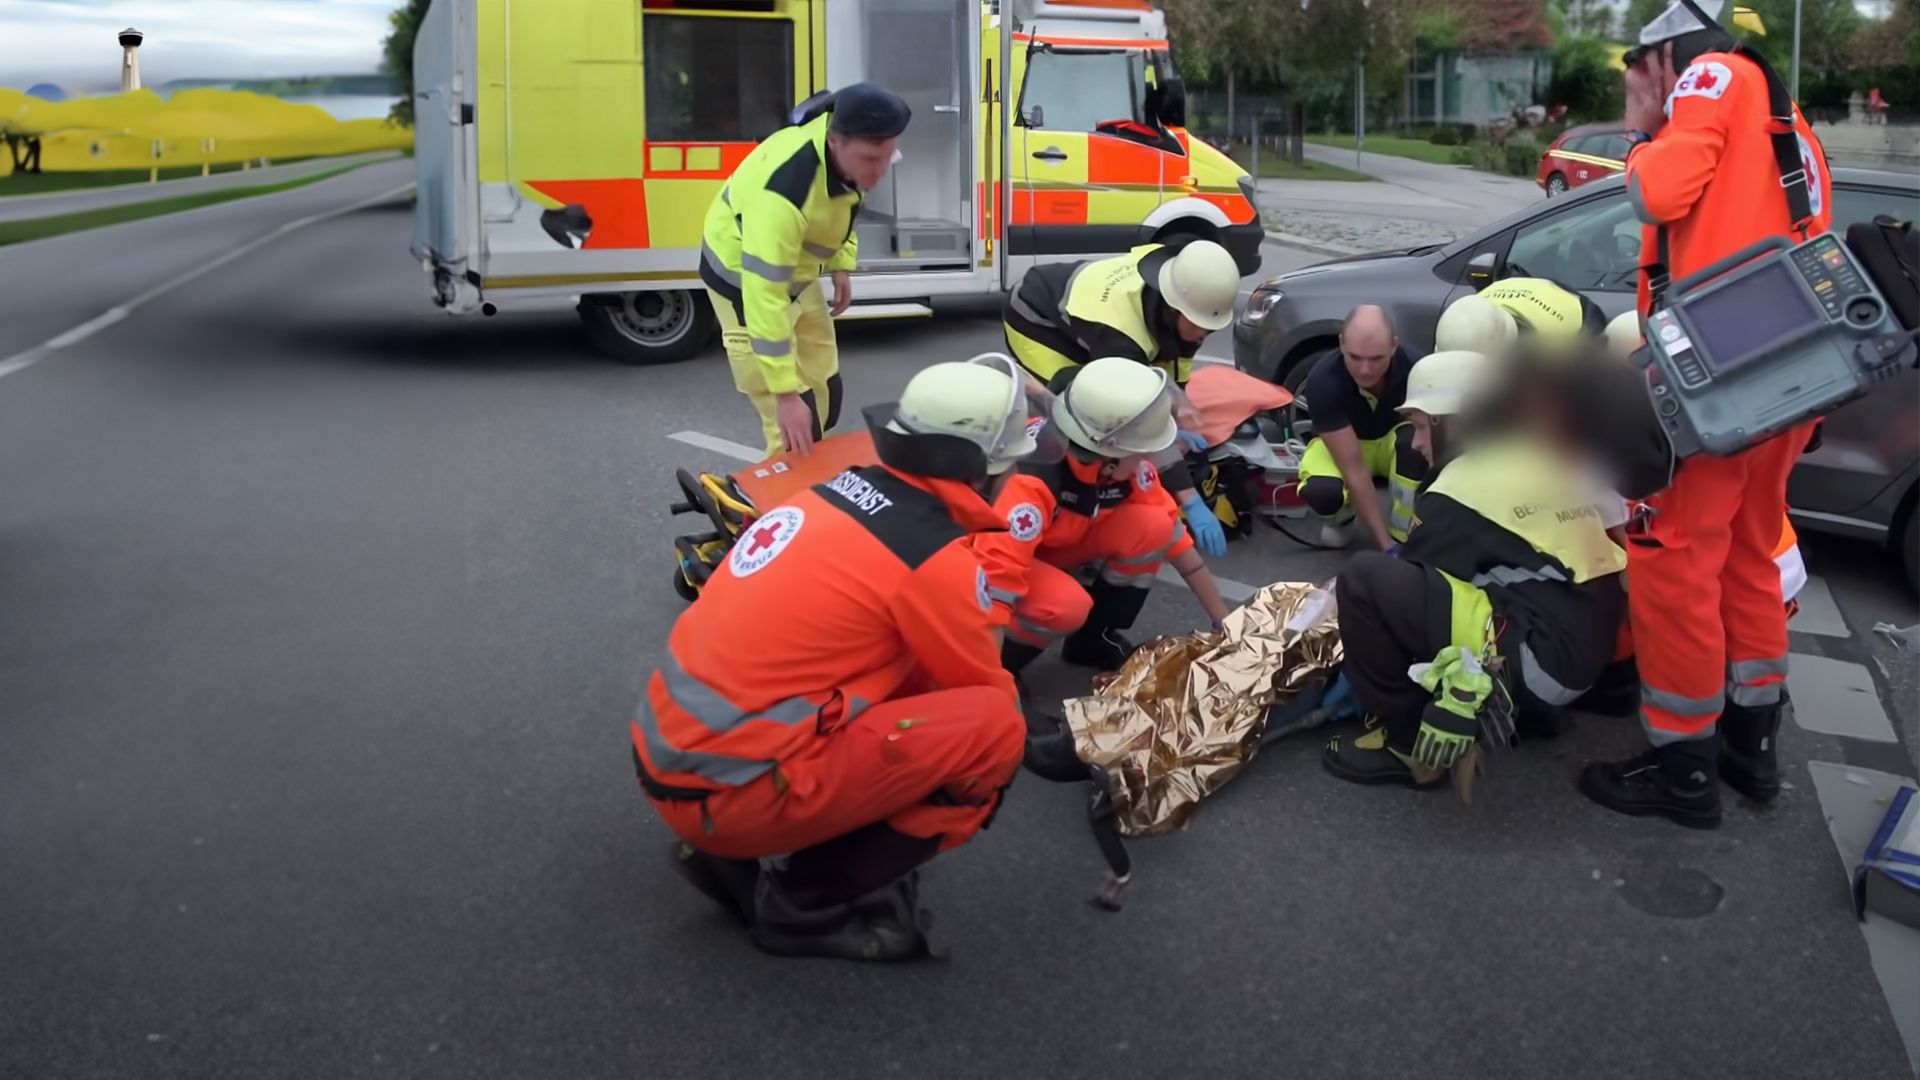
(1024, 434)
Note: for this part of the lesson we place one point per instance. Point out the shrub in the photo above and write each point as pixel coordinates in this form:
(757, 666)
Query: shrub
(1522, 156)
(1585, 81)
(1444, 136)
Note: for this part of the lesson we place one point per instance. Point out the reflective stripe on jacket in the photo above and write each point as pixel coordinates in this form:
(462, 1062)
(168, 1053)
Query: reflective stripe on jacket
(783, 216)
(1106, 307)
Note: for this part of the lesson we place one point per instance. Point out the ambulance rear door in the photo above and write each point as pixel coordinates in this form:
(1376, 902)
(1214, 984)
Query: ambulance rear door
(445, 221)
(923, 217)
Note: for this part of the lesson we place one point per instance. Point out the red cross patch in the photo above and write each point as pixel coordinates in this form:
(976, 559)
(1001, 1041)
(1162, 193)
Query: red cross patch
(1706, 79)
(764, 540)
(1024, 522)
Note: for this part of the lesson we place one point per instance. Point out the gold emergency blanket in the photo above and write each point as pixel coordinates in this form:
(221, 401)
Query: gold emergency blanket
(1184, 715)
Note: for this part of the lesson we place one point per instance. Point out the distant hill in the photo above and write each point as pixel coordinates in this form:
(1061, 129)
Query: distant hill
(46, 92)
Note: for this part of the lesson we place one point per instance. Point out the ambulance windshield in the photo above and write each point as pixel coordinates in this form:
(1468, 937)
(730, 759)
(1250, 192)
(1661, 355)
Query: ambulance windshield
(1079, 91)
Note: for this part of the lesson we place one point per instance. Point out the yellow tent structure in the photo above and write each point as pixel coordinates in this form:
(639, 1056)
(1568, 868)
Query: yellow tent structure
(140, 129)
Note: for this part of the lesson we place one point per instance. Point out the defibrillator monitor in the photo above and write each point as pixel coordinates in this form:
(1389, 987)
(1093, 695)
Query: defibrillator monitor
(1764, 340)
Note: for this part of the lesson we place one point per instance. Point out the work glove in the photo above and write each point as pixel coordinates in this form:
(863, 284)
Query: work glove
(1459, 686)
(1194, 442)
(1207, 532)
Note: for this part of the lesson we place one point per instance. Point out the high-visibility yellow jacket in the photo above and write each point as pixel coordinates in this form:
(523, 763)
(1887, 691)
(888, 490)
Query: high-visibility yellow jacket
(783, 217)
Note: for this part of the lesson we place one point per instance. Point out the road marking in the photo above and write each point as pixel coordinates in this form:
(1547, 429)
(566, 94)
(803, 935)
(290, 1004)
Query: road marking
(1235, 592)
(719, 446)
(1835, 697)
(22, 361)
(1818, 613)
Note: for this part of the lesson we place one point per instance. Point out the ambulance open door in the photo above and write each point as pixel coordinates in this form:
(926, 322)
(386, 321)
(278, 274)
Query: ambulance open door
(921, 217)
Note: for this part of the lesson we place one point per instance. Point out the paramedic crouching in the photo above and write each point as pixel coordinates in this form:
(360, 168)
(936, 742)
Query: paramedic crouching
(1355, 394)
(1508, 560)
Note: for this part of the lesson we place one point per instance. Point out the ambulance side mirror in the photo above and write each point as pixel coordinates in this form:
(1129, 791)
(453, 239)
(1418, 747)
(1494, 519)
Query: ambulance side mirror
(1035, 117)
(1173, 102)
(1481, 270)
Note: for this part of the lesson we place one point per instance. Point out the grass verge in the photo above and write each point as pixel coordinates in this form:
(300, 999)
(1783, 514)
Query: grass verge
(1396, 146)
(1275, 166)
(49, 183)
(18, 232)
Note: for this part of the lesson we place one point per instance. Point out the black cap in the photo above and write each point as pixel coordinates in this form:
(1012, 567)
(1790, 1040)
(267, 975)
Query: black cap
(866, 111)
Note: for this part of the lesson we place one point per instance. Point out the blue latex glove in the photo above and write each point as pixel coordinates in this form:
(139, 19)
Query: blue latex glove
(1194, 443)
(1393, 551)
(1338, 701)
(1207, 533)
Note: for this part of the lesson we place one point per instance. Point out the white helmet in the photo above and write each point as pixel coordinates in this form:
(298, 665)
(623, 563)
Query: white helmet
(1475, 324)
(1446, 383)
(1623, 334)
(1201, 282)
(982, 401)
(1116, 407)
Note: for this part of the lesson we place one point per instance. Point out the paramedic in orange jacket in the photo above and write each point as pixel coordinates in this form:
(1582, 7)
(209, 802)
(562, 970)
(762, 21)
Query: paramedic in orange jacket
(1101, 506)
(833, 704)
(1708, 620)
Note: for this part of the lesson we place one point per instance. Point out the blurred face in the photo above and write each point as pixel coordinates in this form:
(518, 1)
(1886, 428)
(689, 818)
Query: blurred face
(1191, 331)
(1422, 432)
(1368, 349)
(863, 161)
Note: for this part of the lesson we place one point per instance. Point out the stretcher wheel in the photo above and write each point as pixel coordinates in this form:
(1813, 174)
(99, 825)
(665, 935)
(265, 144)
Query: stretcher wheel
(684, 587)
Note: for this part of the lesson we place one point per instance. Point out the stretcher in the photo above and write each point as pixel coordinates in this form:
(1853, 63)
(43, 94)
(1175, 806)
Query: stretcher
(731, 501)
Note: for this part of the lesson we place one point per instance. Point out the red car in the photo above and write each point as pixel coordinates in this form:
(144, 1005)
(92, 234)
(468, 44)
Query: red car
(1584, 154)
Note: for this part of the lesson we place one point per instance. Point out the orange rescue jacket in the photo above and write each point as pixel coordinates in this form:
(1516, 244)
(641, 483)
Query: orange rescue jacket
(827, 604)
(1054, 506)
(1710, 176)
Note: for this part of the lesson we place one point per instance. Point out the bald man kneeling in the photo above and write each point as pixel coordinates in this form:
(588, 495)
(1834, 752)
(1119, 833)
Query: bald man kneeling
(1354, 395)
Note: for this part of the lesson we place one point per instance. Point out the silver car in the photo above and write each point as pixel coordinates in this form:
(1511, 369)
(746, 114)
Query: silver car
(1864, 479)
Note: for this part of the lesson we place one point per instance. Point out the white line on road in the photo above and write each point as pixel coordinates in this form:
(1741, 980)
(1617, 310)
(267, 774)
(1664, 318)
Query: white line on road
(1235, 592)
(85, 330)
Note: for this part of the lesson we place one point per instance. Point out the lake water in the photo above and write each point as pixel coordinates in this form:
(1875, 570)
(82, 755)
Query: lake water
(349, 106)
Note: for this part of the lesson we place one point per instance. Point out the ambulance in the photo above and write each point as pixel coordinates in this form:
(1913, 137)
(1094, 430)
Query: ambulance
(567, 150)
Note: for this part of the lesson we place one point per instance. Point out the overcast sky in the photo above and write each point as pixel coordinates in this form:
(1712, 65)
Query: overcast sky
(71, 42)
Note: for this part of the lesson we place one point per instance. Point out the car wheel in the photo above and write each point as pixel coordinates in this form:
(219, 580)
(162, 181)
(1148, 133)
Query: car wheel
(1556, 185)
(657, 327)
(1296, 417)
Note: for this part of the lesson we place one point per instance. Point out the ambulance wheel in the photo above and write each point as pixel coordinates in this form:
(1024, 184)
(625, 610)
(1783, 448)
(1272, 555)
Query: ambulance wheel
(656, 327)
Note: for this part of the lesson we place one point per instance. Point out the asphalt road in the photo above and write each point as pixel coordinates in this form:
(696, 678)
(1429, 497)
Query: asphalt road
(321, 615)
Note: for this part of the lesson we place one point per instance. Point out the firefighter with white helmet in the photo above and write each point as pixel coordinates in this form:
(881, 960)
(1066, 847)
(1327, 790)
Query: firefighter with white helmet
(875, 725)
(1102, 510)
(1507, 559)
(1153, 306)
(1475, 324)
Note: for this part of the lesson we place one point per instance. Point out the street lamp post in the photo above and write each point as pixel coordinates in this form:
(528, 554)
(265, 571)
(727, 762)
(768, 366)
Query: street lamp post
(1359, 105)
(1794, 81)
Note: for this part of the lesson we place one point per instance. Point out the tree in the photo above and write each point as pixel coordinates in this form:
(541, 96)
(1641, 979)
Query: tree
(1588, 18)
(1585, 81)
(397, 50)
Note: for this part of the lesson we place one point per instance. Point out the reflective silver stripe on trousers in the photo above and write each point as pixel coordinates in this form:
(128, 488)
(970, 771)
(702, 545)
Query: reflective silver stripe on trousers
(1110, 573)
(1710, 707)
(1752, 671)
(1033, 633)
(754, 264)
(819, 251)
(1005, 596)
(771, 349)
(713, 711)
(1755, 697)
(1540, 684)
(1514, 575)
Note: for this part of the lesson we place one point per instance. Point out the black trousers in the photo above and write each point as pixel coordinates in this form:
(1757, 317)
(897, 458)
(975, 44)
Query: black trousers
(1386, 625)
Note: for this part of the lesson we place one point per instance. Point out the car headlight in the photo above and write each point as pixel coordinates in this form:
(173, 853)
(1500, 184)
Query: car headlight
(1262, 300)
(1252, 191)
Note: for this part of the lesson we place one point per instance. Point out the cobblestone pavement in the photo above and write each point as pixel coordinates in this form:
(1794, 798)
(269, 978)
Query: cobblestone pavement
(1407, 203)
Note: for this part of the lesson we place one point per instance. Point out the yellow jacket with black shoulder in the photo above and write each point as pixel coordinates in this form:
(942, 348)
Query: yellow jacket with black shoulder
(1105, 307)
(783, 217)
(1514, 522)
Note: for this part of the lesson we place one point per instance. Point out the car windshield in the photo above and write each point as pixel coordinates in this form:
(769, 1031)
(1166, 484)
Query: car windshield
(1592, 245)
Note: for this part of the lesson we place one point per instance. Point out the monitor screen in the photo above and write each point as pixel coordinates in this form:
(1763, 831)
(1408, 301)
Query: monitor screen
(1735, 323)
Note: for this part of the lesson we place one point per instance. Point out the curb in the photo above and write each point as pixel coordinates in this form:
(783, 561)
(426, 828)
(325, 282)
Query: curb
(1318, 247)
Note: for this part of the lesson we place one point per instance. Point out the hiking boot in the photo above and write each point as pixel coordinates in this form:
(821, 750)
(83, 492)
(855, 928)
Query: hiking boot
(1367, 759)
(1675, 781)
(1747, 738)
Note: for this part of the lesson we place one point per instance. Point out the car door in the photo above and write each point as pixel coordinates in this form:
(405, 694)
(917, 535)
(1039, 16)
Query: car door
(1066, 94)
(1591, 244)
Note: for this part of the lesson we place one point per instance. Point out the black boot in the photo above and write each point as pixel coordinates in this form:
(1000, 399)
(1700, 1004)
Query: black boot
(727, 882)
(1747, 761)
(869, 928)
(1015, 656)
(1098, 644)
(1675, 781)
(1368, 759)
